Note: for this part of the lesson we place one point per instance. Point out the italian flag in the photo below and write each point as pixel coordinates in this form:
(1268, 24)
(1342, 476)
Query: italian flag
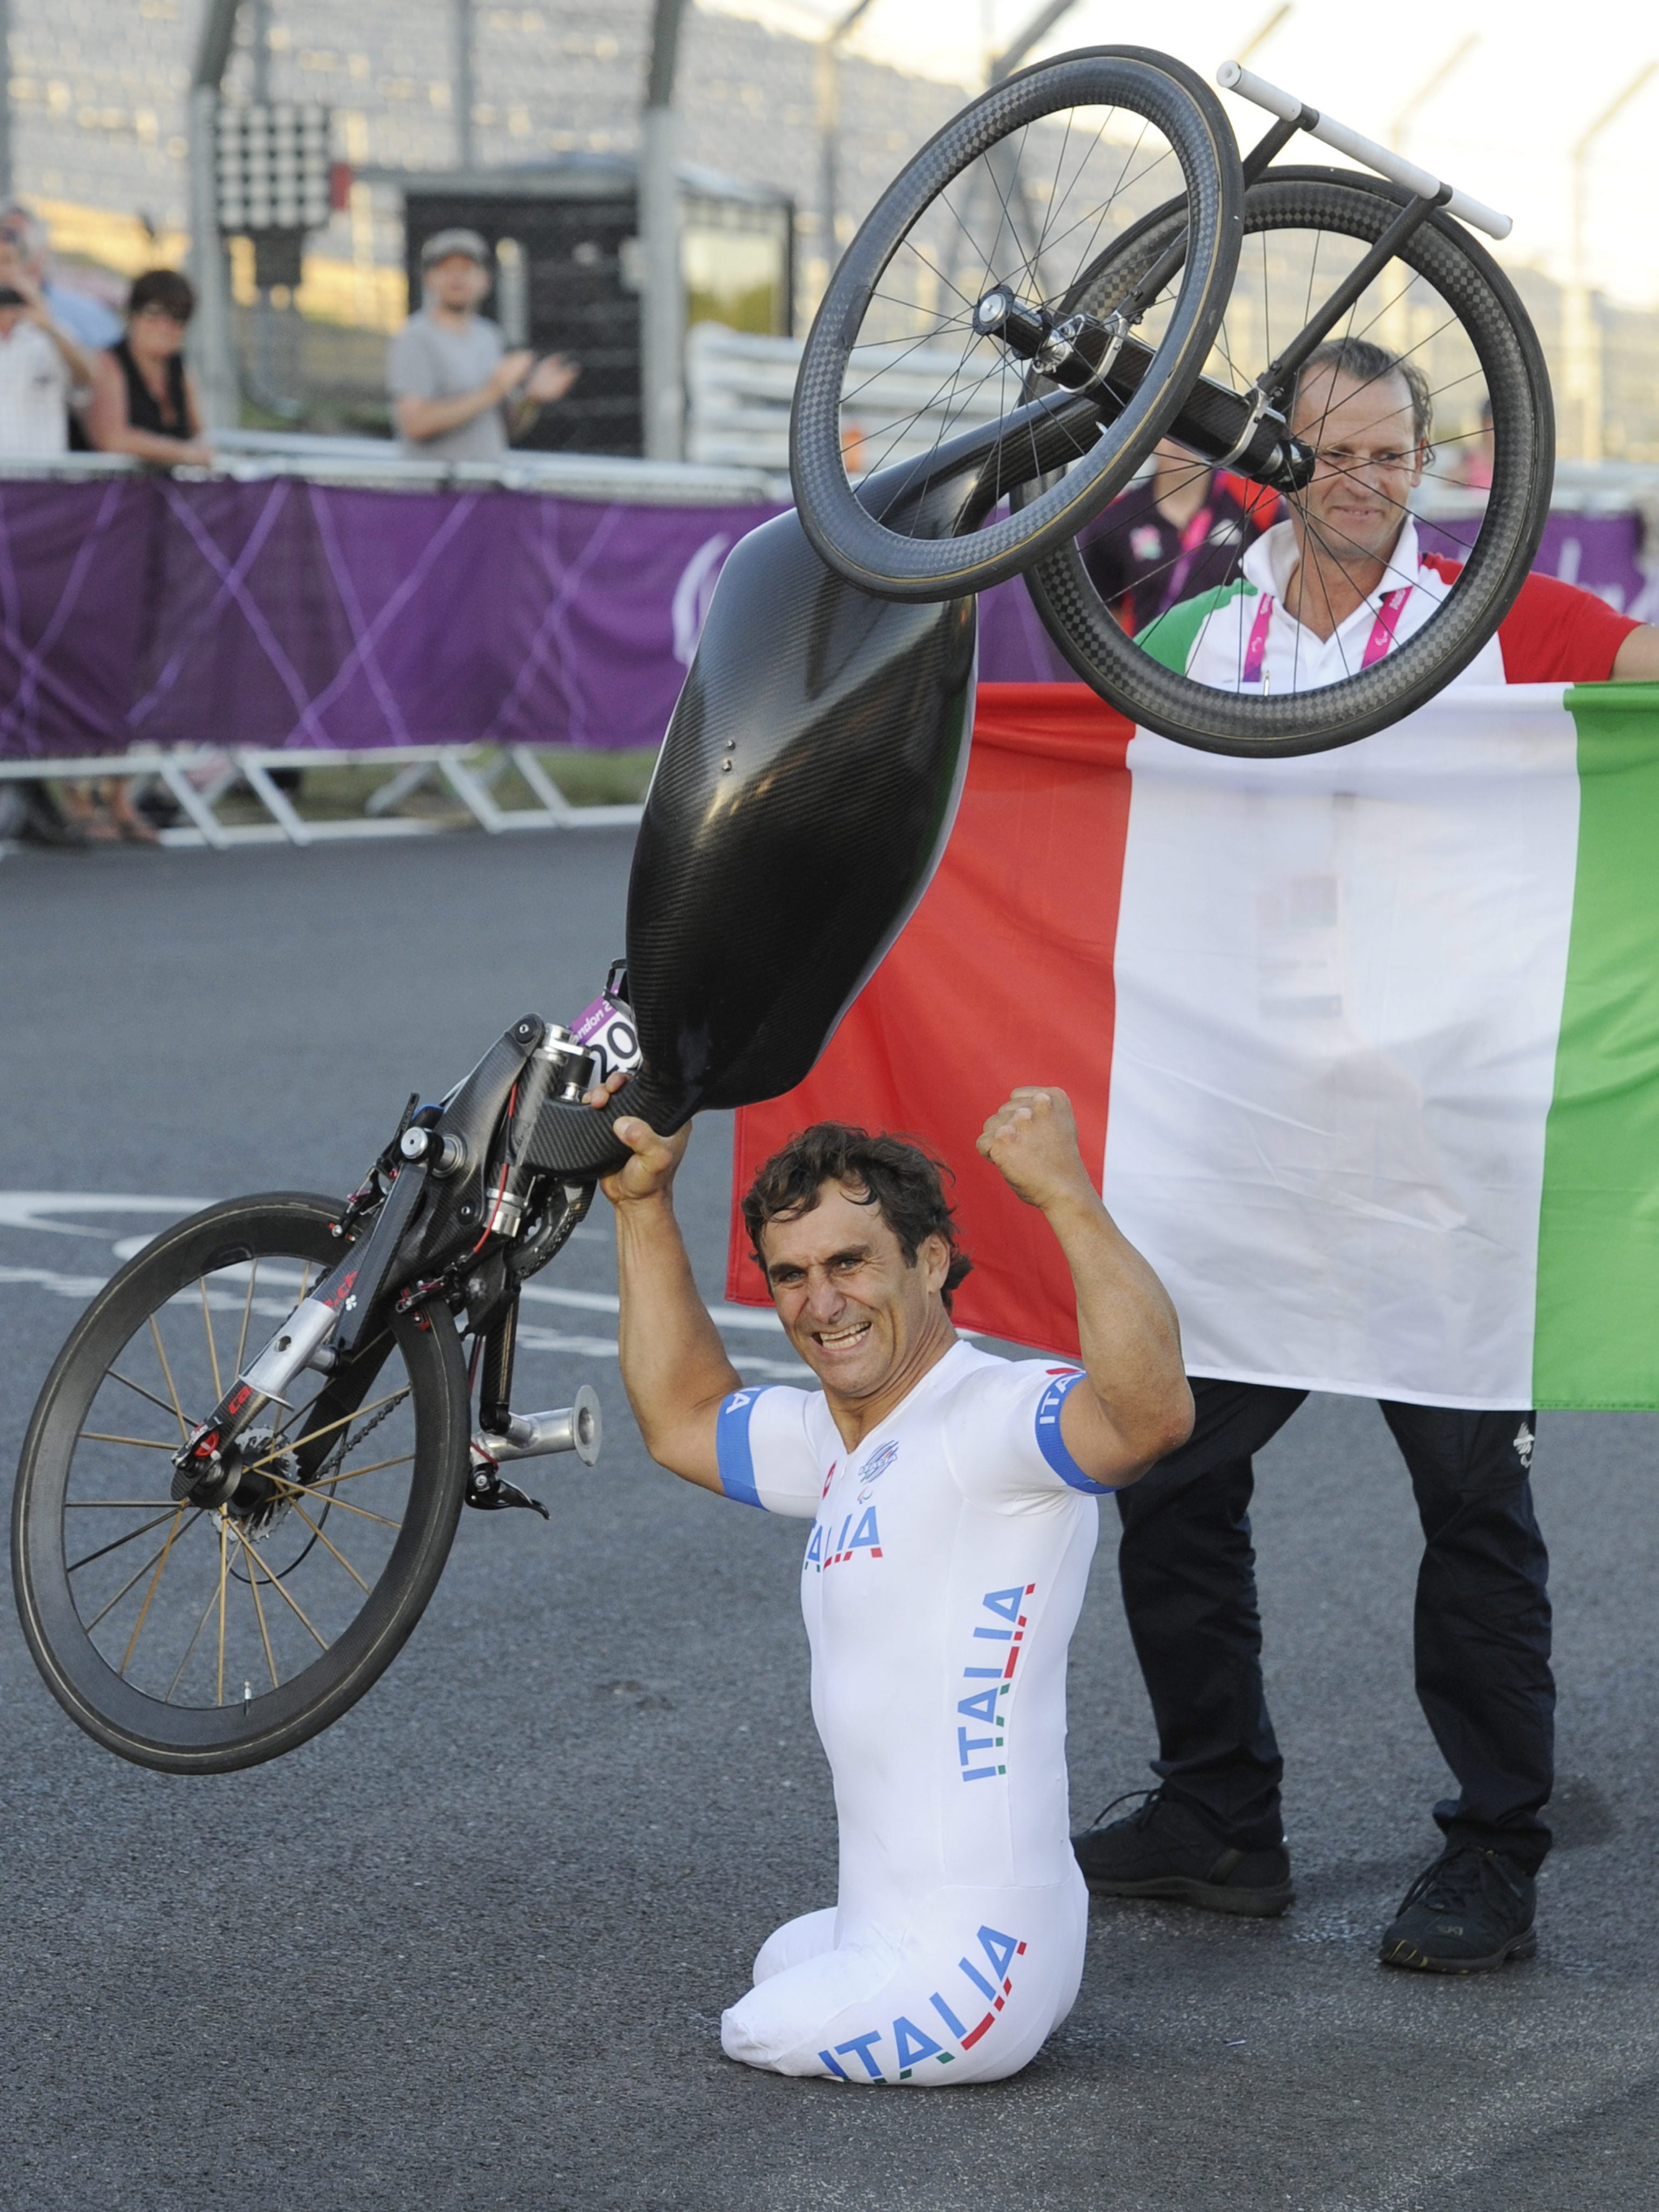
(1364, 1047)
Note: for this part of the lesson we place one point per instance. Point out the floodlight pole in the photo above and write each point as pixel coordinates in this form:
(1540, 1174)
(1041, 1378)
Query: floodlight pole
(5, 99)
(212, 353)
(1022, 41)
(662, 303)
(1582, 345)
(1429, 85)
(462, 28)
(827, 86)
(1264, 31)
(1394, 323)
(1022, 226)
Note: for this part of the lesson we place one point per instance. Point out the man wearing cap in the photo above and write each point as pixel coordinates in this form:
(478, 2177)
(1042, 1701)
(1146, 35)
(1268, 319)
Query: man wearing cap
(457, 392)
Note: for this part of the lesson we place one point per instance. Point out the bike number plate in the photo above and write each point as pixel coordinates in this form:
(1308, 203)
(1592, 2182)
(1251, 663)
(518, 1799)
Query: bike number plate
(607, 1029)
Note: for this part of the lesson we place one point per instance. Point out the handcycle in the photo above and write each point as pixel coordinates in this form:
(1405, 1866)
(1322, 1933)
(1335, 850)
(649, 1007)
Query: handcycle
(1192, 321)
(245, 1469)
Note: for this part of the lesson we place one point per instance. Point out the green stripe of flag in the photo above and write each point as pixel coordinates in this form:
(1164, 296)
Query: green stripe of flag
(1597, 1342)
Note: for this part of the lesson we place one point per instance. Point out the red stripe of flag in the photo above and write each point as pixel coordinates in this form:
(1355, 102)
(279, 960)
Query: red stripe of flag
(1003, 975)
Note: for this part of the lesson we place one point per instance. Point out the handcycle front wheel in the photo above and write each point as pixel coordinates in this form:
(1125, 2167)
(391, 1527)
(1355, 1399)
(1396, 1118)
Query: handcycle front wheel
(1443, 305)
(1015, 196)
(197, 1639)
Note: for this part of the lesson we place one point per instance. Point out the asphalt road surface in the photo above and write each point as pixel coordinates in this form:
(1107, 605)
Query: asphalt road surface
(469, 1948)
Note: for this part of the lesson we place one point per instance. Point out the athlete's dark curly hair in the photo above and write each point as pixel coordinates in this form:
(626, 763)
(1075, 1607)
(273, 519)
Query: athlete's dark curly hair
(903, 1182)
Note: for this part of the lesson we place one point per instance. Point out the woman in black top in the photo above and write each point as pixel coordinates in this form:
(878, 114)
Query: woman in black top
(143, 403)
(144, 400)
(1181, 531)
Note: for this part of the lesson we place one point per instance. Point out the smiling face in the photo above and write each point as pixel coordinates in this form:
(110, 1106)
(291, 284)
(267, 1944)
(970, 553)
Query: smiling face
(1370, 456)
(865, 1319)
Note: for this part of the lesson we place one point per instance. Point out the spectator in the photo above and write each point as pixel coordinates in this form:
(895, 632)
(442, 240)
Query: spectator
(1474, 469)
(144, 400)
(456, 395)
(41, 367)
(86, 320)
(42, 373)
(1177, 533)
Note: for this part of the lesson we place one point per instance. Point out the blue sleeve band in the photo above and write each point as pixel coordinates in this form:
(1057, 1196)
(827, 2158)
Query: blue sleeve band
(737, 1462)
(1051, 1443)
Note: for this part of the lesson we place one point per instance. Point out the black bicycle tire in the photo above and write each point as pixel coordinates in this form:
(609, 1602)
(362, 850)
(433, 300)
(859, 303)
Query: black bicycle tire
(842, 532)
(213, 1739)
(1289, 724)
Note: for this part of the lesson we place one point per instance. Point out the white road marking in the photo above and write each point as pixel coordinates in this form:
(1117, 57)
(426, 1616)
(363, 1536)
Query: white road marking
(34, 1209)
(37, 1210)
(760, 1317)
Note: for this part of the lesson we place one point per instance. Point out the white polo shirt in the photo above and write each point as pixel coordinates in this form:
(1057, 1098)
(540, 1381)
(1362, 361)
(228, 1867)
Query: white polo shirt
(1215, 638)
(34, 393)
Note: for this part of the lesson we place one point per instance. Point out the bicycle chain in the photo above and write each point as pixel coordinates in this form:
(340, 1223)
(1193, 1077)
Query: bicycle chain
(350, 1443)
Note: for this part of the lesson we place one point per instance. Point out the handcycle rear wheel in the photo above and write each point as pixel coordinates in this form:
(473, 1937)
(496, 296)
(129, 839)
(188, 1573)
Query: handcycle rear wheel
(197, 1639)
(1464, 325)
(1019, 191)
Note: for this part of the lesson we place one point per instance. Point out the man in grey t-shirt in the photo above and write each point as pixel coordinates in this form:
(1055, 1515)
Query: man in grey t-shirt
(456, 393)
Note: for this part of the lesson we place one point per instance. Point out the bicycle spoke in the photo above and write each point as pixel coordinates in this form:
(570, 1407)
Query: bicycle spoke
(117, 1504)
(143, 1444)
(253, 1586)
(322, 1537)
(143, 1610)
(161, 1353)
(178, 1672)
(132, 1535)
(276, 1584)
(248, 1308)
(213, 1349)
(116, 1376)
(224, 1564)
(310, 1489)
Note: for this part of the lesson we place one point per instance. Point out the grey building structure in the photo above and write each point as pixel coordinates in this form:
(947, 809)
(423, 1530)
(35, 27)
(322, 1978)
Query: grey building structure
(98, 91)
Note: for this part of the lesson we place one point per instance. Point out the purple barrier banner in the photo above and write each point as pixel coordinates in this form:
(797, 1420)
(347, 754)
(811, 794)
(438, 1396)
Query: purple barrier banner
(282, 612)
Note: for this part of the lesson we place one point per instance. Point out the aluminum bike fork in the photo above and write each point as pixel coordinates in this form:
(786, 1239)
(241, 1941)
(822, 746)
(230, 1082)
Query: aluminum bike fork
(338, 1307)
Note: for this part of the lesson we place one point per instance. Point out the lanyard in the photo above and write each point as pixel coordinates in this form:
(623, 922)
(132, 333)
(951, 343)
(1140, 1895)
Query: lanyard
(1378, 643)
(1192, 538)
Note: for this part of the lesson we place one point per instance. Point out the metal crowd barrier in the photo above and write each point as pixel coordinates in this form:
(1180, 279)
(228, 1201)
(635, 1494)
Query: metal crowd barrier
(200, 779)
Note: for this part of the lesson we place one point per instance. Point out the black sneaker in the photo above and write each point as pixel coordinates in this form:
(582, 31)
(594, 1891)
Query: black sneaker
(1165, 1850)
(1466, 1914)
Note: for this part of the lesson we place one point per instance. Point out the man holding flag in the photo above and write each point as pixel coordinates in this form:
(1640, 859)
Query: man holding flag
(1338, 584)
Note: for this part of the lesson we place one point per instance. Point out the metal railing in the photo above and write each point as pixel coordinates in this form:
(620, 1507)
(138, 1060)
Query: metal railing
(200, 779)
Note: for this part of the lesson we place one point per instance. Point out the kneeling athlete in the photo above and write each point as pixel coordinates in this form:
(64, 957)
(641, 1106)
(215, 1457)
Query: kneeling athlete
(953, 1498)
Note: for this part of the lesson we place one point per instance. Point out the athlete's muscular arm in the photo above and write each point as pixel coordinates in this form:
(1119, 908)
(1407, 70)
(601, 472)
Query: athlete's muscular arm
(1637, 660)
(674, 1366)
(1137, 1405)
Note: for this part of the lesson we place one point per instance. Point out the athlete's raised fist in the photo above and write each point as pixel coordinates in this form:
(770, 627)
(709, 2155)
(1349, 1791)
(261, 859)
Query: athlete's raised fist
(1031, 1141)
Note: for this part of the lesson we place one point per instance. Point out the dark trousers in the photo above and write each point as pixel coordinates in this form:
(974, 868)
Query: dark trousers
(1482, 1625)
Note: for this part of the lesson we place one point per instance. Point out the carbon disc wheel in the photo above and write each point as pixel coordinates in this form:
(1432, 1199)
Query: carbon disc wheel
(196, 1638)
(1443, 305)
(1013, 198)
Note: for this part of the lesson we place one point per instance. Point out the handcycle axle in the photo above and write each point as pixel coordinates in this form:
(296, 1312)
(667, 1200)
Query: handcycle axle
(575, 1427)
(1239, 430)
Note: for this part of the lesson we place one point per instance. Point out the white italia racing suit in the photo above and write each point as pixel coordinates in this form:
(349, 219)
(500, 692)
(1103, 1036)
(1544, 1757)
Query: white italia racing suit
(942, 1580)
